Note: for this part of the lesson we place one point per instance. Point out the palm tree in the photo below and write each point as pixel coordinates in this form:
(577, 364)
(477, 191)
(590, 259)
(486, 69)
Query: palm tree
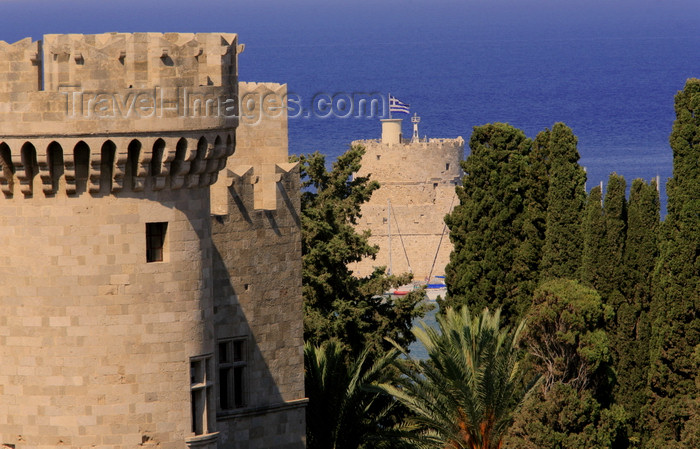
(464, 395)
(343, 413)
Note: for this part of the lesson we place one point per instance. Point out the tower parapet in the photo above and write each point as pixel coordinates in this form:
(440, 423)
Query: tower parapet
(417, 182)
(116, 111)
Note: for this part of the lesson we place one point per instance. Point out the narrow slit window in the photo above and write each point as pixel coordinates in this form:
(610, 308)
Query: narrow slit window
(155, 241)
(200, 389)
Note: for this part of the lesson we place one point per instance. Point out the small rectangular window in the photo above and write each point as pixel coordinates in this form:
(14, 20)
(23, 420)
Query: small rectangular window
(447, 166)
(155, 241)
(233, 364)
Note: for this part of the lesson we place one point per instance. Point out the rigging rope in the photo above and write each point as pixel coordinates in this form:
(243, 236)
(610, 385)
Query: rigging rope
(408, 262)
(444, 227)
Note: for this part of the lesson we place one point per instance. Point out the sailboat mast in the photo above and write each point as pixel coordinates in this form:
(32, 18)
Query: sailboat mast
(389, 104)
(388, 221)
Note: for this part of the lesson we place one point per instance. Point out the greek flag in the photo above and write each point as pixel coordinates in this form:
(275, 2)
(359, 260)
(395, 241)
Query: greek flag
(396, 105)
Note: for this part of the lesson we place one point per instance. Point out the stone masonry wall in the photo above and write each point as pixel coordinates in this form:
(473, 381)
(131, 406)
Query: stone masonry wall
(257, 286)
(419, 179)
(95, 342)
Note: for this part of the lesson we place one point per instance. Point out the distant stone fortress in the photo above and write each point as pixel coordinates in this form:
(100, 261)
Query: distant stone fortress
(417, 178)
(151, 259)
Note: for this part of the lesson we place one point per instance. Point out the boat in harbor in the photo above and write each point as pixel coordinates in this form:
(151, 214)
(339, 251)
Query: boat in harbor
(433, 290)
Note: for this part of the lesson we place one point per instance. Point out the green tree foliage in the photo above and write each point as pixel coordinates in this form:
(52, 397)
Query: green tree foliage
(486, 228)
(673, 410)
(338, 305)
(613, 244)
(343, 413)
(567, 340)
(593, 238)
(528, 255)
(641, 244)
(604, 230)
(566, 334)
(633, 327)
(566, 197)
(464, 395)
(612, 269)
(565, 418)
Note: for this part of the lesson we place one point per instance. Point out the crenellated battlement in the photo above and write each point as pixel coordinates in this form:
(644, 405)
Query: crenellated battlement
(430, 161)
(73, 84)
(261, 158)
(111, 112)
(118, 61)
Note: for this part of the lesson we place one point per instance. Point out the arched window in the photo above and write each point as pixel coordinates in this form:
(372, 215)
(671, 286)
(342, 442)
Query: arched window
(55, 160)
(8, 169)
(81, 159)
(132, 162)
(107, 154)
(31, 166)
(157, 157)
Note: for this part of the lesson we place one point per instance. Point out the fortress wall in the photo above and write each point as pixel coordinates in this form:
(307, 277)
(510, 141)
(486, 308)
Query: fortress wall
(118, 61)
(419, 179)
(95, 341)
(126, 83)
(262, 132)
(139, 60)
(258, 295)
(99, 347)
(102, 344)
(261, 143)
(20, 70)
(258, 277)
(434, 161)
(46, 166)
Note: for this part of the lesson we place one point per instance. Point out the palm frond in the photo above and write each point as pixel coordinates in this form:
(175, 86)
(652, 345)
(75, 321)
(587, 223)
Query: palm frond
(464, 394)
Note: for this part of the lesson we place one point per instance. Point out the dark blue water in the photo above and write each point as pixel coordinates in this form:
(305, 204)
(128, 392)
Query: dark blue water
(416, 349)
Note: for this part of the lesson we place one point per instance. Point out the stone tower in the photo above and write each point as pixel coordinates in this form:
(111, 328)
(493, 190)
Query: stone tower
(111, 331)
(405, 215)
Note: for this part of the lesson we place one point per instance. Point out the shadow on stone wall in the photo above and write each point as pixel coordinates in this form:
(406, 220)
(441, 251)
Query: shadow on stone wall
(257, 291)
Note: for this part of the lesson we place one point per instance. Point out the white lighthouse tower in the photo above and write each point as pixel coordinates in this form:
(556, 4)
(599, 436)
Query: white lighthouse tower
(415, 120)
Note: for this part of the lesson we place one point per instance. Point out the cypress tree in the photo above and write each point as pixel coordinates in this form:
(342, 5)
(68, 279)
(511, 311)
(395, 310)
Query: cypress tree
(633, 327)
(566, 196)
(615, 218)
(641, 244)
(609, 270)
(528, 256)
(674, 407)
(486, 228)
(593, 236)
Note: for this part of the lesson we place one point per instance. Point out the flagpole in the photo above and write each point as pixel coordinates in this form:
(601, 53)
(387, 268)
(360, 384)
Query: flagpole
(389, 104)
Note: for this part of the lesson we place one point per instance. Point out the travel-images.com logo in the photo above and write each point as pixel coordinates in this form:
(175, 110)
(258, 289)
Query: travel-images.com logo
(251, 108)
